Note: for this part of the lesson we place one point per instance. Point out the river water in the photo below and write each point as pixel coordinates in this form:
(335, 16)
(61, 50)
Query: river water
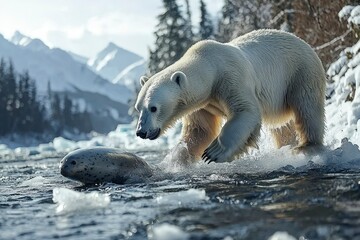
(273, 195)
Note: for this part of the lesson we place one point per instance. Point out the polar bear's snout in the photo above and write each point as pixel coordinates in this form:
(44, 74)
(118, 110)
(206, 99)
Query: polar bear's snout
(141, 134)
(144, 131)
(140, 131)
(151, 134)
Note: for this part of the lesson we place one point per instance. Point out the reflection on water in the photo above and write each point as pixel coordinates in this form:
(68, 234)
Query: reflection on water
(204, 202)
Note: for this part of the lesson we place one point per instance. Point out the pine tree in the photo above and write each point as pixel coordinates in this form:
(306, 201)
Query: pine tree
(38, 116)
(172, 38)
(10, 90)
(227, 23)
(189, 27)
(24, 112)
(30, 113)
(86, 125)
(83, 121)
(154, 61)
(56, 114)
(49, 92)
(206, 30)
(2, 97)
(20, 109)
(242, 16)
(68, 112)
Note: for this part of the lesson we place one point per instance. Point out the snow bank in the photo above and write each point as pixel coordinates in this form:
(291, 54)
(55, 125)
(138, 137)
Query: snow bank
(71, 201)
(343, 99)
(345, 12)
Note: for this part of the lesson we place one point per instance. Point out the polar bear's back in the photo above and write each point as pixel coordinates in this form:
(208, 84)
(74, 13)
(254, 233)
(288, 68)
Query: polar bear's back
(279, 60)
(273, 48)
(270, 49)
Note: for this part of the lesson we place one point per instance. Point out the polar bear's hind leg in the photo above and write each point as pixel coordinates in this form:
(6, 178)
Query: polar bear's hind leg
(307, 102)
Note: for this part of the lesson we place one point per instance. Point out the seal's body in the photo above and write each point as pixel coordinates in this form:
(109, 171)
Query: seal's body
(98, 165)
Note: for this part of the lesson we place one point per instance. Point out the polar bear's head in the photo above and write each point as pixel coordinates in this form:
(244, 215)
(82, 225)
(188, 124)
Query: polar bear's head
(160, 103)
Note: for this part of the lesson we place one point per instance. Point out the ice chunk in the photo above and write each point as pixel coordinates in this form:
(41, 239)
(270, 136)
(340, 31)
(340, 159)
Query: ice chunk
(3, 147)
(348, 151)
(182, 197)
(167, 231)
(22, 151)
(46, 147)
(72, 201)
(34, 182)
(281, 236)
(63, 145)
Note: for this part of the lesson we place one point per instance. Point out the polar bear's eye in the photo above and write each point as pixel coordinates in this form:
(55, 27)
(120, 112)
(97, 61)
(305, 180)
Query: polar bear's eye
(153, 109)
(177, 79)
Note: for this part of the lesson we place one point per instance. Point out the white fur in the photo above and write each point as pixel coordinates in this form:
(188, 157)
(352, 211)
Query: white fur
(266, 75)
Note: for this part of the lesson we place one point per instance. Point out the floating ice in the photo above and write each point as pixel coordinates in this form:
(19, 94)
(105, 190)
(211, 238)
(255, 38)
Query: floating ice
(34, 182)
(3, 147)
(46, 147)
(182, 197)
(281, 236)
(23, 151)
(167, 231)
(72, 201)
(347, 152)
(63, 145)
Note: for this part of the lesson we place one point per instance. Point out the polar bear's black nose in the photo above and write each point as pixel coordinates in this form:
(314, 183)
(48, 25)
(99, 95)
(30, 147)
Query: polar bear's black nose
(141, 134)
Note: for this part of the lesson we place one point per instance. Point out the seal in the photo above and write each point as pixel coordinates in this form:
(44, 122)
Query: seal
(100, 165)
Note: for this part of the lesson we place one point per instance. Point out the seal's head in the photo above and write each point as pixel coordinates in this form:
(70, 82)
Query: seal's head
(79, 165)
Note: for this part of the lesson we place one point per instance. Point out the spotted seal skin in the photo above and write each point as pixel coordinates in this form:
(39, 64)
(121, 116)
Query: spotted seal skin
(99, 165)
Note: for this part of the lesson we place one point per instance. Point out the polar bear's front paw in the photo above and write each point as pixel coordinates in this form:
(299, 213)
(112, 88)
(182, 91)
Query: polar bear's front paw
(215, 153)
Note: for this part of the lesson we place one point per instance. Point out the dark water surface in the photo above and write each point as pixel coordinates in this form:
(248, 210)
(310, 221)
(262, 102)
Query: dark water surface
(308, 202)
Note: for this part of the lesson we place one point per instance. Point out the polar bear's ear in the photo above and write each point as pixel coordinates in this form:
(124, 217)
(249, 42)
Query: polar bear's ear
(143, 80)
(180, 78)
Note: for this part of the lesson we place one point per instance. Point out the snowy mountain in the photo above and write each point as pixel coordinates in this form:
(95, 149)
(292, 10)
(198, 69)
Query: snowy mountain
(67, 76)
(130, 75)
(112, 60)
(28, 43)
(79, 58)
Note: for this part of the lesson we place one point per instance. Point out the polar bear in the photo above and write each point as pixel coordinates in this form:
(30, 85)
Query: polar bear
(265, 76)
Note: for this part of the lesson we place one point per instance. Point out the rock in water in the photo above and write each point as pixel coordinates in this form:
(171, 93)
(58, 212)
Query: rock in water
(98, 165)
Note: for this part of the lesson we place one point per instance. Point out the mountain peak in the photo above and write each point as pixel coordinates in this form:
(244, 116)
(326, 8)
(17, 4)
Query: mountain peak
(18, 34)
(112, 45)
(34, 44)
(110, 61)
(20, 39)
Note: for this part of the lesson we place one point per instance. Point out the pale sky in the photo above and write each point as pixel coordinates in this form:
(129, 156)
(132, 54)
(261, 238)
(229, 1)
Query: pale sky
(86, 26)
